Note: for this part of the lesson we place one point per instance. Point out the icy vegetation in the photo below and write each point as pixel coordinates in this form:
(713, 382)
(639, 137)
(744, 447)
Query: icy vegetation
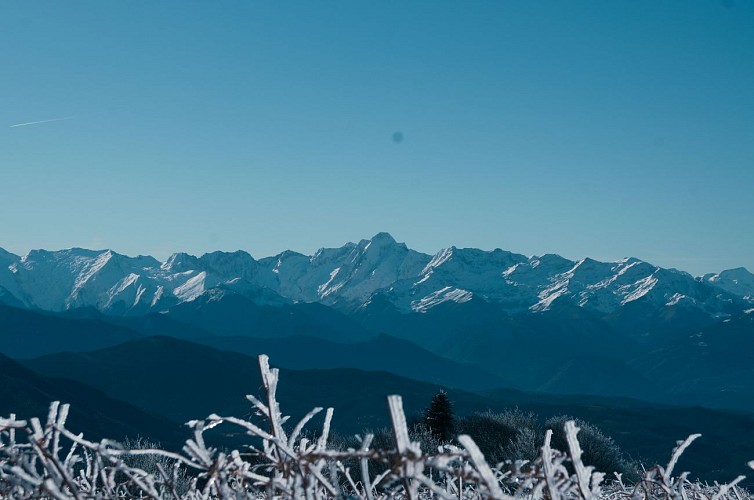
(279, 460)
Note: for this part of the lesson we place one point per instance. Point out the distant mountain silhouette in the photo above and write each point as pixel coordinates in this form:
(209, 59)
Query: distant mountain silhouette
(383, 353)
(236, 315)
(99, 416)
(28, 333)
(707, 366)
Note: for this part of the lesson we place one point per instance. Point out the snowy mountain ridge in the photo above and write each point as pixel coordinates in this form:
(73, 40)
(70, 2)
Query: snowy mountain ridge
(349, 277)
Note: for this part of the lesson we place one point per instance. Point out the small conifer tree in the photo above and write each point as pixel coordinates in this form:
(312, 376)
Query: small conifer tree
(439, 417)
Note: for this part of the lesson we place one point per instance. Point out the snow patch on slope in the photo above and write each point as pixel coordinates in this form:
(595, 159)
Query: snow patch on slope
(639, 289)
(193, 288)
(444, 295)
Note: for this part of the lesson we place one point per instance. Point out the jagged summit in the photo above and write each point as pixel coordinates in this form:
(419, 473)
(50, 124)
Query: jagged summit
(179, 262)
(735, 273)
(382, 238)
(238, 263)
(350, 276)
(738, 281)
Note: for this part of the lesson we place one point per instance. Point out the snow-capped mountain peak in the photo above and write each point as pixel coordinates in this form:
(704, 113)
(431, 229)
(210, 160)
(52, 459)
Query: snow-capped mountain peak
(180, 262)
(738, 281)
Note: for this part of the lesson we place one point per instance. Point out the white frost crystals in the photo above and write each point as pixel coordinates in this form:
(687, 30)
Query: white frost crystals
(43, 461)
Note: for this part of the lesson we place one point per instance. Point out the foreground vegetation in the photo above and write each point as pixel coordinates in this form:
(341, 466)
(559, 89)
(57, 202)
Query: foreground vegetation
(280, 461)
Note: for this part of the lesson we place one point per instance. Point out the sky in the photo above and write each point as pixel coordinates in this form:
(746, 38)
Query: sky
(583, 128)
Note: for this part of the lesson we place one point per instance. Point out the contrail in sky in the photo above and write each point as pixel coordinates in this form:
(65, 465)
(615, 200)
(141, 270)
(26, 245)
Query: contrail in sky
(41, 121)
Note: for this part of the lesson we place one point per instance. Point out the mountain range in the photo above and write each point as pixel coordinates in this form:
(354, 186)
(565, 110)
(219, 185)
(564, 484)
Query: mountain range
(543, 323)
(353, 276)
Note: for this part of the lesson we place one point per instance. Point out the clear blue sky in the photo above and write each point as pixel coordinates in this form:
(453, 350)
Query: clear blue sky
(602, 129)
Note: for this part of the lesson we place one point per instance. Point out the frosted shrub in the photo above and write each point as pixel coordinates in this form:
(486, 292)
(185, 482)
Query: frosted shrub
(599, 449)
(510, 435)
(281, 461)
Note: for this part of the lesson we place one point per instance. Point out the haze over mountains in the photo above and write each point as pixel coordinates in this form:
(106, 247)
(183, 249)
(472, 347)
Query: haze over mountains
(542, 323)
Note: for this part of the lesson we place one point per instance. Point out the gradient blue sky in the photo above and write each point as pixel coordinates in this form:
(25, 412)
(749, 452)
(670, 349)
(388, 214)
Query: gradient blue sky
(602, 129)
